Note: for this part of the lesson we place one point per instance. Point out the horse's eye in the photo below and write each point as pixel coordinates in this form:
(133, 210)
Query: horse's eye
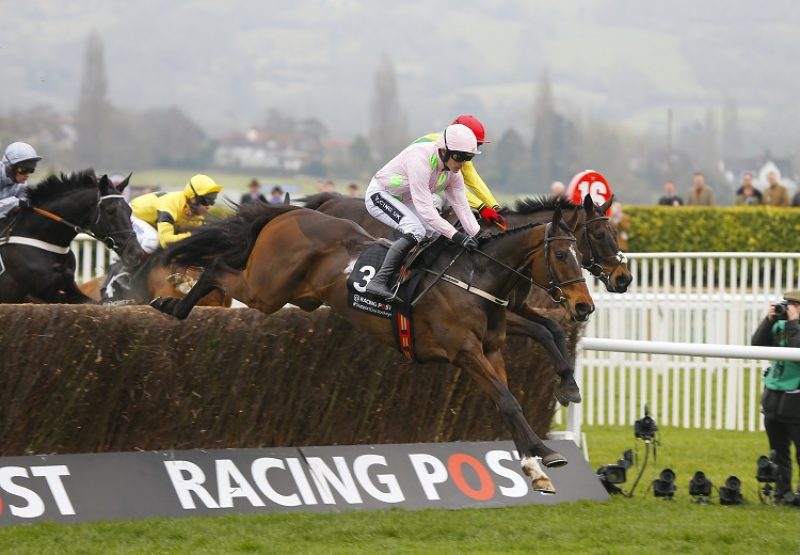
(599, 235)
(560, 255)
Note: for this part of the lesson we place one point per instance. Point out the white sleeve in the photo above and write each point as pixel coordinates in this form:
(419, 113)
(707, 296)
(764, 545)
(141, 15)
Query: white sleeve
(457, 196)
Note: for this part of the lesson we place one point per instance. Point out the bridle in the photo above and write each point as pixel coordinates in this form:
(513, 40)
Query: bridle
(594, 266)
(554, 286)
(108, 239)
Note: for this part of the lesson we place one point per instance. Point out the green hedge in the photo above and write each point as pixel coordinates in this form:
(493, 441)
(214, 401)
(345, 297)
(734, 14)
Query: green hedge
(713, 229)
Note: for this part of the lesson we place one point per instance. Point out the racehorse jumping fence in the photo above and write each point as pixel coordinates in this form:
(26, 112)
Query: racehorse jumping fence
(693, 298)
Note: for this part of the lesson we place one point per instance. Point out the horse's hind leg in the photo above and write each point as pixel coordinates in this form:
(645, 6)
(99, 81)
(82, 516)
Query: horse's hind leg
(181, 307)
(549, 334)
(490, 373)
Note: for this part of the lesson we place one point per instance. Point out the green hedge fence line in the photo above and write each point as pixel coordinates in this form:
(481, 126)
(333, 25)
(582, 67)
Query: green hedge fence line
(713, 229)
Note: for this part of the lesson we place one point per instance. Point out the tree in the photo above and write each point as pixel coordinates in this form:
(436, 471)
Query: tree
(388, 122)
(360, 158)
(731, 132)
(93, 117)
(554, 137)
(506, 166)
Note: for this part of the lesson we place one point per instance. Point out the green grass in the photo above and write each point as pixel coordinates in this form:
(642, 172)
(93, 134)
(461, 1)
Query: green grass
(641, 524)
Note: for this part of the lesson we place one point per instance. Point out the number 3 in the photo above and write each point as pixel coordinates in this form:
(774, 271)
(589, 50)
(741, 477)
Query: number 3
(369, 273)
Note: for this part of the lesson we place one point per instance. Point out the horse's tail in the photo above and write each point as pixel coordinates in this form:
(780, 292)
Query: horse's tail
(313, 202)
(230, 239)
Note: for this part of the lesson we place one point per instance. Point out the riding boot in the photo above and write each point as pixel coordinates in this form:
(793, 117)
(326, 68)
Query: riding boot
(379, 285)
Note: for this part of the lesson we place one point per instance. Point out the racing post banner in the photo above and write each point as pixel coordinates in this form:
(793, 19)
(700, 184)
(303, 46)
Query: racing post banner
(77, 488)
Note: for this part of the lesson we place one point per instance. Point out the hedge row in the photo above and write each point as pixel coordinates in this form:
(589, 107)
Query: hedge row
(94, 379)
(713, 229)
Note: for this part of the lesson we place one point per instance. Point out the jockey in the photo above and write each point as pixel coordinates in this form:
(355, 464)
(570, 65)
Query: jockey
(18, 162)
(400, 195)
(159, 219)
(478, 194)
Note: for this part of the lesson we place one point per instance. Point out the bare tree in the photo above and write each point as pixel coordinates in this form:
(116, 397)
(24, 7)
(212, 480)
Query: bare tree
(388, 131)
(93, 117)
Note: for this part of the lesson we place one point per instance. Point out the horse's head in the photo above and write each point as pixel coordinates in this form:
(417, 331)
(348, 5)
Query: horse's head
(112, 221)
(601, 253)
(559, 271)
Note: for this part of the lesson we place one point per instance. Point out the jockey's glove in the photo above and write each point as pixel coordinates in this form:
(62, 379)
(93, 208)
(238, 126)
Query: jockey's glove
(491, 214)
(24, 204)
(464, 240)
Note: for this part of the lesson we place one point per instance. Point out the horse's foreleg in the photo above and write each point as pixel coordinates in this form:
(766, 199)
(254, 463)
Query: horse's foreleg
(181, 307)
(528, 323)
(490, 375)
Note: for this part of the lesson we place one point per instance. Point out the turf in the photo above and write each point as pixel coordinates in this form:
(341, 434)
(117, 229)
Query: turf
(641, 524)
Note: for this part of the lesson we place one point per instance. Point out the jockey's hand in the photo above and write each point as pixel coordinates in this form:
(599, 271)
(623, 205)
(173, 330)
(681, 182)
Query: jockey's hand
(466, 241)
(491, 214)
(24, 204)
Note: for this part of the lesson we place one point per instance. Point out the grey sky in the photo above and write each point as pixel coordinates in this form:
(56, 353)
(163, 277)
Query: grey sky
(227, 62)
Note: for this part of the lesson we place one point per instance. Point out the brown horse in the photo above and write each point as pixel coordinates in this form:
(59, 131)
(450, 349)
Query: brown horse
(596, 242)
(268, 256)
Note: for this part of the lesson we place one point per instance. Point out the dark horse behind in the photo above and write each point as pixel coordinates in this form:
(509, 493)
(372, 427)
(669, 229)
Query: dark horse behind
(267, 256)
(37, 263)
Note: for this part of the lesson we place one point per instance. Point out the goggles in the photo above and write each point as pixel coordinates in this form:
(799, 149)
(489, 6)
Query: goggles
(206, 200)
(24, 170)
(462, 156)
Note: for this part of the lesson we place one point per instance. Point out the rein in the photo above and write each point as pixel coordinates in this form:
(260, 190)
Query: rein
(553, 287)
(108, 240)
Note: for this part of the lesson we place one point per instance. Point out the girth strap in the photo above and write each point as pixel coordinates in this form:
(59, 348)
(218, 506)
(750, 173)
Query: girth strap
(474, 290)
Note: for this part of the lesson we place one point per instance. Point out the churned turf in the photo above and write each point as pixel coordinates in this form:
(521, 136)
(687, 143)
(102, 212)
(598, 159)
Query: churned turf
(641, 524)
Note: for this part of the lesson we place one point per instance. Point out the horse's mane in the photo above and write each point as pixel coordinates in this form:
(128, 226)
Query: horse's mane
(540, 203)
(313, 202)
(531, 205)
(58, 185)
(232, 238)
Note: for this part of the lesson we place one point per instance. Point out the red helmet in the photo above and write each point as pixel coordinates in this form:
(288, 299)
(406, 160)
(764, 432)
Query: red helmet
(475, 124)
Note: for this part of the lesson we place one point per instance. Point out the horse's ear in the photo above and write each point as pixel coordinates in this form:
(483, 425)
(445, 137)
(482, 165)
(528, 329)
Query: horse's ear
(103, 184)
(557, 217)
(603, 209)
(573, 222)
(588, 204)
(124, 183)
(286, 198)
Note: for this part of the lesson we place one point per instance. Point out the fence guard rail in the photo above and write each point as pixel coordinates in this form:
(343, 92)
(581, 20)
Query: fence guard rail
(575, 411)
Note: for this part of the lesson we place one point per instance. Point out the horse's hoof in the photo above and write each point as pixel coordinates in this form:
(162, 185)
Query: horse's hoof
(554, 460)
(568, 392)
(543, 486)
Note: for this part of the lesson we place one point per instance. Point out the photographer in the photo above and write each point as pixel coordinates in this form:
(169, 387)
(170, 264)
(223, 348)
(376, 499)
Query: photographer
(780, 401)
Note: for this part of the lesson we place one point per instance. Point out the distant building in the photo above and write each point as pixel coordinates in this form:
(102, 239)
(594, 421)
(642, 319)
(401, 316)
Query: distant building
(257, 149)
